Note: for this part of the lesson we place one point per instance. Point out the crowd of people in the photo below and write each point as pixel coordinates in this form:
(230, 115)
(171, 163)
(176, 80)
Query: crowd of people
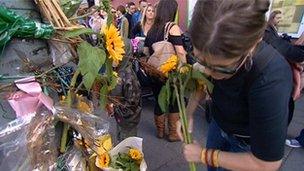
(255, 71)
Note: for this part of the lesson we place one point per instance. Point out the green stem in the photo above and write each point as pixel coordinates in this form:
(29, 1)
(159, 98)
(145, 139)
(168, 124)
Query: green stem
(182, 108)
(64, 136)
(180, 113)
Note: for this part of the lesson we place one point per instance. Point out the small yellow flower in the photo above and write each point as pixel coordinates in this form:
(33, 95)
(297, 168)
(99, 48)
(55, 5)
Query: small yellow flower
(184, 69)
(84, 107)
(135, 154)
(105, 144)
(115, 74)
(114, 44)
(103, 161)
(169, 65)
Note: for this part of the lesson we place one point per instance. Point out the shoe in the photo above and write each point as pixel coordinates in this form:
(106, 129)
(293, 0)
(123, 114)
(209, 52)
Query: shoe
(160, 125)
(172, 119)
(292, 143)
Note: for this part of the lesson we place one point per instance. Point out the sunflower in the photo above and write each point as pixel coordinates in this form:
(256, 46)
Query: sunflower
(135, 154)
(169, 65)
(184, 69)
(102, 161)
(105, 144)
(114, 44)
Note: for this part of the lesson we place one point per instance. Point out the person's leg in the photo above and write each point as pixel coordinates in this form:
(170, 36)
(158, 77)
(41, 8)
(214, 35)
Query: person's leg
(297, 142)
(215, 140)
(159, 116)
(172, 120)
(300, 138)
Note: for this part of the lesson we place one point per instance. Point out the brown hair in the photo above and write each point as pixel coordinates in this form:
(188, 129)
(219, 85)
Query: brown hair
(165, 12)
(144, 18)
(227, 28)
(272, 16)
(122, 9)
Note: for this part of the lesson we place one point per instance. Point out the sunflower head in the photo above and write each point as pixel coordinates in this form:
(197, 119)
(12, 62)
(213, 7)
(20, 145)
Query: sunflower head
(103, 161)
(105, 144)
(114, 44)
(169, 65)
(135, 154)
(184, 69)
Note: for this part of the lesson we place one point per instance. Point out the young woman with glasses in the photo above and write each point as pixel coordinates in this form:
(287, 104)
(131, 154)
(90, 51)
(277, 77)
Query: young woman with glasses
(249, 124)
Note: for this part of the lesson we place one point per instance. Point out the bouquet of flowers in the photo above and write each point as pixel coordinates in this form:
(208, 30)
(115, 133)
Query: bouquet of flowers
(181, 82)
(126, 156)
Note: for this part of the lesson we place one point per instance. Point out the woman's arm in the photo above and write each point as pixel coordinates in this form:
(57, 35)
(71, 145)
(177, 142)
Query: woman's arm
(231, 161)
(181, 53)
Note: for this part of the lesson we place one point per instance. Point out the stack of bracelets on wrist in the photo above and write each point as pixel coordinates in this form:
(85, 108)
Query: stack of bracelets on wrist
(212, 159)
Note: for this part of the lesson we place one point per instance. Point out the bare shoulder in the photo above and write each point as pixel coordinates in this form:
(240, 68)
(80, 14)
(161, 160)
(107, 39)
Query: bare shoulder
(175, 30)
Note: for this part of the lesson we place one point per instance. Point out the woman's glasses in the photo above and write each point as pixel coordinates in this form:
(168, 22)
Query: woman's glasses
(224, 70)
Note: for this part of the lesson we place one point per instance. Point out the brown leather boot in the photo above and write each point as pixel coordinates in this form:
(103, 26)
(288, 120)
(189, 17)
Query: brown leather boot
(172, 119)
(160, 125)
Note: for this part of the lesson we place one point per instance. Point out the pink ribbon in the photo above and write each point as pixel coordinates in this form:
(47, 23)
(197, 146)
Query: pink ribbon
(29, 98)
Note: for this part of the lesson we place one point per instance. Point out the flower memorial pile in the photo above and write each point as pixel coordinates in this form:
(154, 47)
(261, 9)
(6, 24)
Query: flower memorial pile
(85, 142)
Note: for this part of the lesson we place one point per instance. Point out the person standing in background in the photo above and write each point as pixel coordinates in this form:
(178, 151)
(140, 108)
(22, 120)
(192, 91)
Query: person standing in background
(122, 22)
(141, 28)
(136, 18)
(165, 15)
(131, 10)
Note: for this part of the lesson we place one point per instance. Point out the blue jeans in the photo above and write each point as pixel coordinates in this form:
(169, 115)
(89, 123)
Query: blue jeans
(218, 139)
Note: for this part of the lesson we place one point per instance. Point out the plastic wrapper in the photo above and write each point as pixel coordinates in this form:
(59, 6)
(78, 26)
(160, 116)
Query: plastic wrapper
(13, 25)
(28, 143)
(124, 146)
(91, 128)
(60, 53)
(72, 160)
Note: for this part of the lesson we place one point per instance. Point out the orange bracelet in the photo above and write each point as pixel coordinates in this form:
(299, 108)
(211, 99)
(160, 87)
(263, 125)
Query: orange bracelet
(212, 158)
(203, 156)
(215, 157)
(206, 157)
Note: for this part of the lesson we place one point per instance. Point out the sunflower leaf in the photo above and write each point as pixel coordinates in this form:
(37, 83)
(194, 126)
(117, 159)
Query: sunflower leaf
(199, 76)
(162, 99)
(77, 32)
(91, 60)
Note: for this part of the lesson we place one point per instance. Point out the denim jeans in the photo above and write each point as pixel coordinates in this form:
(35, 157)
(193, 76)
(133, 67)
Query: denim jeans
(218, 139)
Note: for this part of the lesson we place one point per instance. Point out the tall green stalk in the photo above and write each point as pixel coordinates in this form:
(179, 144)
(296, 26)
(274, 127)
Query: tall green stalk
(179, 92)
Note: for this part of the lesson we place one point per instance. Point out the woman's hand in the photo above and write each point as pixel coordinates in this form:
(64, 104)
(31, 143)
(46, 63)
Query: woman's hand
(192, 152)
(179, 128)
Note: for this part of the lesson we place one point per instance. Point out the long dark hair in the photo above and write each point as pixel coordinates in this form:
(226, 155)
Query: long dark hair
(165, 12)
(227, 28)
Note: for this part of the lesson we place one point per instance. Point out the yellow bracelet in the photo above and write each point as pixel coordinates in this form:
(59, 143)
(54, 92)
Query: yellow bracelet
(215, 158)
(203, 156)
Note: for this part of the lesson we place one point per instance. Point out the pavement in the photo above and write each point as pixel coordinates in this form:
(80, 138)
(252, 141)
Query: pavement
(162, 155)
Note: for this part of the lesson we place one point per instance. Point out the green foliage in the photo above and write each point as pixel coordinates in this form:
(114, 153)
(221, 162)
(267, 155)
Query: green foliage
(162, 99)
(91, 60)
(187, 83)
(77, 32)
(125, 162)
(106, 6)
(70, 7)
(200, 76)
(103, 96)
